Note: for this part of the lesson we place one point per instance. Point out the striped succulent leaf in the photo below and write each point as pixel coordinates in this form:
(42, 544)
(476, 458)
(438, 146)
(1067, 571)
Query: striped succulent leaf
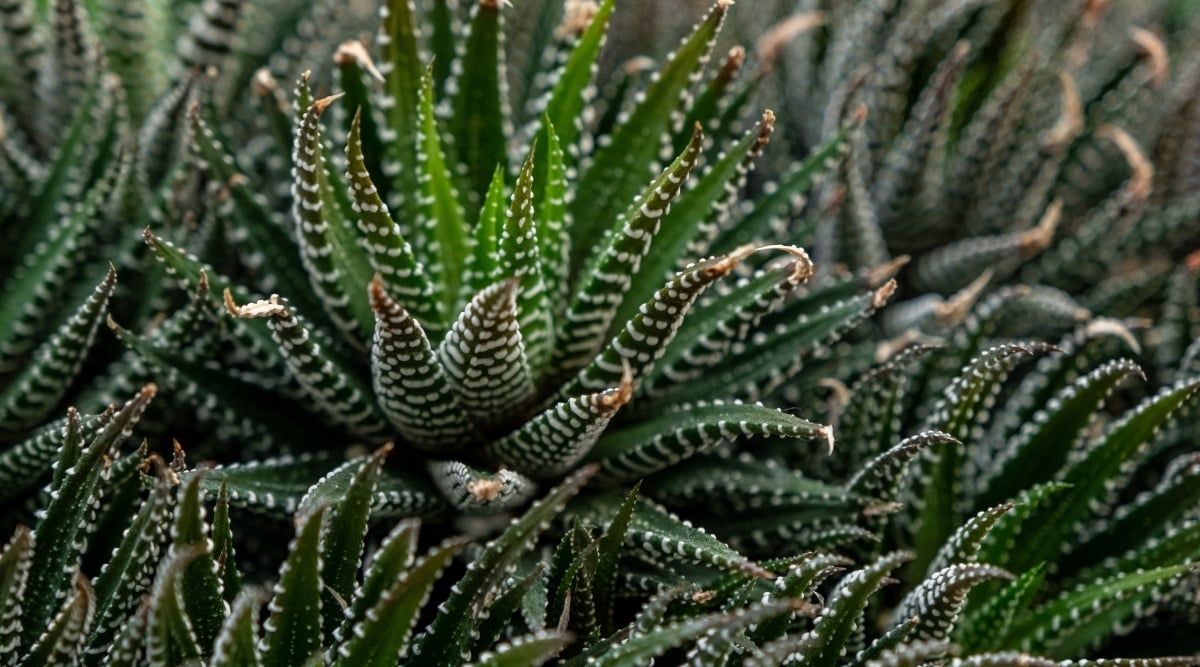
(500, 249)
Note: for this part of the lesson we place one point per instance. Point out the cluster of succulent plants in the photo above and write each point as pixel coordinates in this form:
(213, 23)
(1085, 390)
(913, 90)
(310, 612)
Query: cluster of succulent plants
(551, 355)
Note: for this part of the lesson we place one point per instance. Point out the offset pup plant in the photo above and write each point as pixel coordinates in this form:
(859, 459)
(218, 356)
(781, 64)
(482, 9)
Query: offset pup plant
(490, 282)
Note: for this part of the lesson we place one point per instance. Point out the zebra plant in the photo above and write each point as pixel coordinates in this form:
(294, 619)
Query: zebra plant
(496, 268)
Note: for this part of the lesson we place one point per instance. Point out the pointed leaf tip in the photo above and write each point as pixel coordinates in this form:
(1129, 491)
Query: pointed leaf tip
(320, 105)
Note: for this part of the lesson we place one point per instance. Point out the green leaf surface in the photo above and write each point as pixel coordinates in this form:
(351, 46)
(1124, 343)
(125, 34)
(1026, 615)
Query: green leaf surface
(237, 645)
(1080, 619)
(675, 433)
(1048, 532)
(349, 491)
(293, 629)
(530, 650)
(613, 177)
(198, 583)
(338, 268)
(479, 109)
(446, 638)
(59, 534)
(822, 646)
(381, 638)
(277, 485)
(41, 384)
(440, 234)
(404, 366)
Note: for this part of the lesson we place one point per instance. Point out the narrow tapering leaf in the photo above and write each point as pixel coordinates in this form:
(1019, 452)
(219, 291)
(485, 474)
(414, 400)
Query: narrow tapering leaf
(339, 392)
(381, 638)
(338, 268)
(612, 264)
(483, 357)
(293, 629)
(40, 386)
(446, 638)
(61, 532)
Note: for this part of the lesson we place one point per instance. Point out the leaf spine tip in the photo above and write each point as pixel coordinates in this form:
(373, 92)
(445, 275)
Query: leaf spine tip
(1108, 326)
(577, 16)
(1152, 46)
(261, 308)
(826, 433)
(320, 105)
(264, 83)
(1191, 263)
(883, 294)
(354, 51)
(1142, 176)
(802, 266)
(613, 399)
(1040, 237)
(1070, 124)
(953, 310)
(771, 44)
(881, 509)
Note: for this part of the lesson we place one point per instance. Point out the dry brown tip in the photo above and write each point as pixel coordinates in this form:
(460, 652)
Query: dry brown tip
(614, 399)
(149, 390)
(887, 349)
(826, 434)
(726, 264)
(354, 51)
(3, 130)
(1093, 12)
(112, 324)
(700, 597)
(384, 450)
(1070, 123)
(262, 308)
(723, 5)
(636, 63)
(376, 293)
(733, 61)
(882, 509)
(263, 84)
(765, 127)
(1106, 326)
(879, 275)
(953, 310)
(839, 398)
(485, 490)
(802, 266)
(1151, 46)
(1141, 177)
(777, 36)
(885, 292)
(320, 105)
(1040, 237)
(1192, 262)
(860, 114)
(577, 16)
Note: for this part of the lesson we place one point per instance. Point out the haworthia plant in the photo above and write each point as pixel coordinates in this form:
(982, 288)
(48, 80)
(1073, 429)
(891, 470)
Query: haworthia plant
(546, 332)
